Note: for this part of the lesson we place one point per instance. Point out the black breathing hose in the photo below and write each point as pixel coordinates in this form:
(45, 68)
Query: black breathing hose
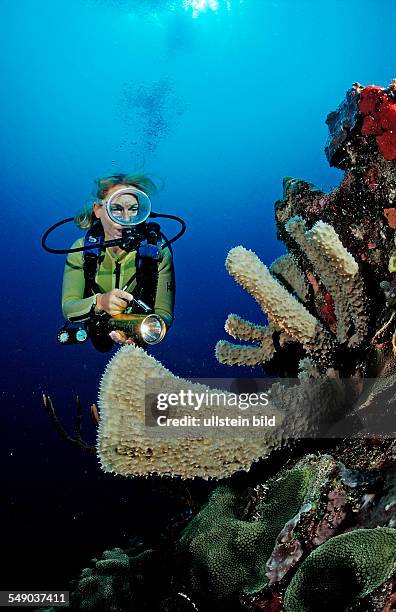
(108, 242)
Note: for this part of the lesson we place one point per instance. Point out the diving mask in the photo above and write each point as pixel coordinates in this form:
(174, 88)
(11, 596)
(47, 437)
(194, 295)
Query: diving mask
(128, 206)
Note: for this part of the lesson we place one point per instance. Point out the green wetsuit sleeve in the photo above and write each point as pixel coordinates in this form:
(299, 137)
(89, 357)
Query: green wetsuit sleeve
(165, 298)
(74, 306)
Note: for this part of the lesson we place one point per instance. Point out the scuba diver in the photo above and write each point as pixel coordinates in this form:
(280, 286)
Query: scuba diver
(118, 282)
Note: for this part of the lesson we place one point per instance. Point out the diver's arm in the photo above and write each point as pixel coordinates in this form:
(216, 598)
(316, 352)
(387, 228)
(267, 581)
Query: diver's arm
(165, 298)
(74, 306)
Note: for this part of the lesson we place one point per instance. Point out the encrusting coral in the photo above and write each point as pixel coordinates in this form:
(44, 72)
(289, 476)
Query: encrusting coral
(242, 545)
(343, 569)
(226, 552)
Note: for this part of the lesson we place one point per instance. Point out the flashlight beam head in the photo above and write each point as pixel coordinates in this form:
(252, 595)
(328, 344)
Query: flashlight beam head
(150, 329)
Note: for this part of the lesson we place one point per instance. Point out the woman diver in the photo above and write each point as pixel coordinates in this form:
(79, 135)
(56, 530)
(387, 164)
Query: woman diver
(136, 268)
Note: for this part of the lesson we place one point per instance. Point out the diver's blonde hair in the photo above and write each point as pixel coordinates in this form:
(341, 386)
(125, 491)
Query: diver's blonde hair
(85, 217)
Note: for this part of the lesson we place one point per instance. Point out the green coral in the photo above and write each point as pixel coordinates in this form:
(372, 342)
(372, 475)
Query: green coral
(228, 554)
(343, 569)
(116, 582)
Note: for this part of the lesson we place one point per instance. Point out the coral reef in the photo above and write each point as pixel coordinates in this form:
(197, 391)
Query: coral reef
(123, 580)
(316, 531)
(242, 544)
(325, 294)
(364, 121)
(347, 567)
(280, 545)
(108, 583)
(225, 552)
(322, 297)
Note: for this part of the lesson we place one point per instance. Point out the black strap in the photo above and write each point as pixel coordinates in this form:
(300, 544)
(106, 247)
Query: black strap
(92, 258)
(91, 265)
(147, 262)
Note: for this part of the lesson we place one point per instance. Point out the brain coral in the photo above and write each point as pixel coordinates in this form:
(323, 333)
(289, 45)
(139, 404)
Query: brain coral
(346, 567)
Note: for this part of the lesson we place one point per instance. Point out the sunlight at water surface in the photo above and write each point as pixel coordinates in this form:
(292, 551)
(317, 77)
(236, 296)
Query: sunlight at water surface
(199, 6)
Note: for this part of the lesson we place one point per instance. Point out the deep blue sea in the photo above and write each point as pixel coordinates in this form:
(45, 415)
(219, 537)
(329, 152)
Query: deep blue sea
(217, 100)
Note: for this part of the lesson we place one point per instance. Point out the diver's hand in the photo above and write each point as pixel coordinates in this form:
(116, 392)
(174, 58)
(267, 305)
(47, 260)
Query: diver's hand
(113, 302)
(120, 337)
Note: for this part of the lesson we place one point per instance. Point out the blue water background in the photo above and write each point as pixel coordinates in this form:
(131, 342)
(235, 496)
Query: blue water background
(218, 105)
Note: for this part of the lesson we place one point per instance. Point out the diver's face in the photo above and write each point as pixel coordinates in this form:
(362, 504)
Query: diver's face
(123, 207)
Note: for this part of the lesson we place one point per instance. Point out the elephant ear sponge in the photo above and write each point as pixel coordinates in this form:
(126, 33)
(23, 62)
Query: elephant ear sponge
(345, 568)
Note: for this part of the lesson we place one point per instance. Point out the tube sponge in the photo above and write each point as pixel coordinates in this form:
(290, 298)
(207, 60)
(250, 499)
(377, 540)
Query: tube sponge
(283, 310)
(238, 354)
(288, 269)
(340, 274)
